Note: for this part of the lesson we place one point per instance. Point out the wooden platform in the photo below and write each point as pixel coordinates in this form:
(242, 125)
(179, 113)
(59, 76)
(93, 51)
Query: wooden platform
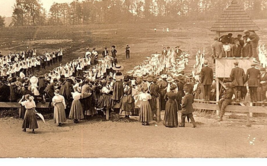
(224, 66)
(17, 105)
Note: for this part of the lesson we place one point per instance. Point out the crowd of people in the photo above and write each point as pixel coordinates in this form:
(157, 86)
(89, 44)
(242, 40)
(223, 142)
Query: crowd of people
(94, 84)
(242, 46)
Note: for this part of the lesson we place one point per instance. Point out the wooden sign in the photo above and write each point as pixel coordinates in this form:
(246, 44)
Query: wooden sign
(224, 66)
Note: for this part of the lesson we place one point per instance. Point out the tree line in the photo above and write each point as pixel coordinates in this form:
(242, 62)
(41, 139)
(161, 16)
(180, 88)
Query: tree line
(31, 12)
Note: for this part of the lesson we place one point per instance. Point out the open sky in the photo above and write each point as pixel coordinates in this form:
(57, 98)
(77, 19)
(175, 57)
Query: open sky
(7, 5)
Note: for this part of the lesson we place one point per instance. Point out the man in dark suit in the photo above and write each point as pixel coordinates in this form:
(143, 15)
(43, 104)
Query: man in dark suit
(154, 92)
(105, 52)
(241, 42)
(254, 40)
(49, 90)
(217, 48)
(127, 52)
(253, 76)
(236, 48)
(206, 75)
(162, 90)
(238, 79)
(187, 106)
(246, 50)
(114, 56)
(262, 89)
(225, 100)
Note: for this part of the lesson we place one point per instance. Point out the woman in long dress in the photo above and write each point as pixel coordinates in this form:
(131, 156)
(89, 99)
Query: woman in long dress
(76, 111)
(30, 120)
(171, 109)
(145, 109)
(59, 108)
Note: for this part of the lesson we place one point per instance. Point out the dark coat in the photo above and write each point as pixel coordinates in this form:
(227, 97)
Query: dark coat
(50, 89)
(217, 49)
(187, 104)
(246, 50)
(253, 76)
(117, 90)
(103, 53)
(263, 78)
(206, 75)
(66, 90)
(236, 50)
(228, 94)
(238, 76)
(114, 53)
(154, 90)
(254, 40)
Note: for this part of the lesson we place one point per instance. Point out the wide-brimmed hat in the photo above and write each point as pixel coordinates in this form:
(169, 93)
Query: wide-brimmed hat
(118, 67)
(254, 63)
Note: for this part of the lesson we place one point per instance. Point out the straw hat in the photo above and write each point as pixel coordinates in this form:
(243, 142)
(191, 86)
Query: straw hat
(118, 67)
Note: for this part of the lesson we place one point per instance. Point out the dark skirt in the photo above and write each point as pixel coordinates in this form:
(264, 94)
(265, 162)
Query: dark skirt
(145, 112)
(30, 120)
(171, 114)
(22, 112)
(127, 104)
(76, 111)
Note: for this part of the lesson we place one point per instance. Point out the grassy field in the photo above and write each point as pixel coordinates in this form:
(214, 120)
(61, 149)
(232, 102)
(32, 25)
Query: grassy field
(230, 138)
(143, 40)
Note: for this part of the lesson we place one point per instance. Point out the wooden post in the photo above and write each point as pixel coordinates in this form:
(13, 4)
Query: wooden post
(217, 93)
(217, 87)
(107, 114)
(158, 110)
(251, 105)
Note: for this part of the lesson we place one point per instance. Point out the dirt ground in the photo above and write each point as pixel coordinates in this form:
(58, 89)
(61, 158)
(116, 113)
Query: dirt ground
(100, 138)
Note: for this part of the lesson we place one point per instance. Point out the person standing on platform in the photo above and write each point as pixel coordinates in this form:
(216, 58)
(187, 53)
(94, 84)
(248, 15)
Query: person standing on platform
(262, 89)
(236, 48)
(241, 41)
(238, 79)
(254, 40)
(127, 52)
(206, 75)
(246, 49)
(253, 76)
(225, 100)
(217, 49)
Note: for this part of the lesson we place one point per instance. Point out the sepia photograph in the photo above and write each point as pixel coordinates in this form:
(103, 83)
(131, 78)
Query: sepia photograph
(133, 79)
